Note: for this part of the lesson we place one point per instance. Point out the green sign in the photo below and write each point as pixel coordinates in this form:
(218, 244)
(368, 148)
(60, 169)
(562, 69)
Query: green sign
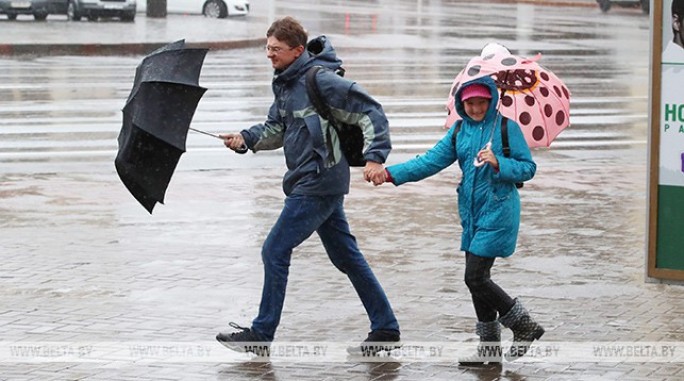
(670, 237)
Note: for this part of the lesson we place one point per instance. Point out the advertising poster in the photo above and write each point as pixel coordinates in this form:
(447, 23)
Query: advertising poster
(669, 221)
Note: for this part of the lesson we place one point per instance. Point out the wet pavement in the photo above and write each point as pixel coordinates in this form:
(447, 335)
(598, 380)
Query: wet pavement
(57, 36)
(95, 288)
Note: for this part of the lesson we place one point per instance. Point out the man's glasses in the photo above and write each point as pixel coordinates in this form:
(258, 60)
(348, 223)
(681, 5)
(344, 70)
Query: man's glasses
(275, 49)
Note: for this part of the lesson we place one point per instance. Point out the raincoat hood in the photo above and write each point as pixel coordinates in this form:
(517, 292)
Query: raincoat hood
(491, 111)
(319, 52)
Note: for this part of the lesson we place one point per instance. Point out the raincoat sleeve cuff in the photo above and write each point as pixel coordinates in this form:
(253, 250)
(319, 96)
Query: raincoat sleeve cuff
(388, 177)
(374, 157)
(247, 138)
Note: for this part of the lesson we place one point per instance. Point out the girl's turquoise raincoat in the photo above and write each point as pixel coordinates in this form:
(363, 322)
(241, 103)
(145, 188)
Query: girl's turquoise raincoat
(488, 201)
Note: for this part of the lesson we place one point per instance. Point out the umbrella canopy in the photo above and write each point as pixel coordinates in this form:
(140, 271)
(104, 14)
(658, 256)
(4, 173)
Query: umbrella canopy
(156, 119)
(530, 94)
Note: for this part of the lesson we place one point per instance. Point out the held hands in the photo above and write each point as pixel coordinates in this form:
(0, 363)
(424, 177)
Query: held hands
(235, 142)
(374, 172)
(486, 156)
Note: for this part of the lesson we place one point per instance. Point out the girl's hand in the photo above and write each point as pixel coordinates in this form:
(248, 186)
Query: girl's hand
(487, 156)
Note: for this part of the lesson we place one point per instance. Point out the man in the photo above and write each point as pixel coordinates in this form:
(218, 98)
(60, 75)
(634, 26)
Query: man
(674, 51)
(315, 183)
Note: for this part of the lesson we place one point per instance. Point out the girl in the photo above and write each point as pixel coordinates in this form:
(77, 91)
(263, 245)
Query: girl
(489, 207)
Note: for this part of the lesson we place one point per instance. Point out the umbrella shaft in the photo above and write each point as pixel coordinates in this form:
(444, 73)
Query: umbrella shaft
(205, 133)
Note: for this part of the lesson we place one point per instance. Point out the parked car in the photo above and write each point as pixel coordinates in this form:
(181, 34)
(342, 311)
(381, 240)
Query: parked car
(209, 8)
(94, 9)
(605, 5)
(38, 8)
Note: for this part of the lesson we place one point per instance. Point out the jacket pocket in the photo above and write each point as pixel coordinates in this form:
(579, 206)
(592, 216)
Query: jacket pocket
(499, 211)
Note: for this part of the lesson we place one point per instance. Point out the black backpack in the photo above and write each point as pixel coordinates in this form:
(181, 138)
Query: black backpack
(504, 140)
(351, 136)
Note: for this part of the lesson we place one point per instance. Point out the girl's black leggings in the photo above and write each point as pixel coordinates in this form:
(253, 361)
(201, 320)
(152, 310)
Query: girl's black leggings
(488, 297)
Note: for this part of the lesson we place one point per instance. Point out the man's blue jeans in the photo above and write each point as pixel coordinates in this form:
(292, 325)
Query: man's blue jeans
(300, 217)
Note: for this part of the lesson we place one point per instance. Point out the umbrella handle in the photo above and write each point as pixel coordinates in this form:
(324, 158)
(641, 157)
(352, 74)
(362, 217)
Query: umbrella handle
(477, 162)
(241, 150)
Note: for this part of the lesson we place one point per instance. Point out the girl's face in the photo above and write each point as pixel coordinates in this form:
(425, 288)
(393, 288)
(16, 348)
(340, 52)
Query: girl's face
(476, 108)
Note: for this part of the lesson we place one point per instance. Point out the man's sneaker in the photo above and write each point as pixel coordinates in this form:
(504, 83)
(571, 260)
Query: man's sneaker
(245, 340)
(379, 340)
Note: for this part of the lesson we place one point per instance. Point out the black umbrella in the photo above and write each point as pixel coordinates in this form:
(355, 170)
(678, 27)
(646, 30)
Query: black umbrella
(156, 119)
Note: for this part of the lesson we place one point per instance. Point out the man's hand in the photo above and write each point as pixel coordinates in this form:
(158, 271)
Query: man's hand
(374, 172)
(234, 141)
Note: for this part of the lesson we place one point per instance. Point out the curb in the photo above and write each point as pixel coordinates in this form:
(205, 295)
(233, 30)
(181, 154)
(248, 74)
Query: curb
(116, 49)
(560, 3)
(552, 3)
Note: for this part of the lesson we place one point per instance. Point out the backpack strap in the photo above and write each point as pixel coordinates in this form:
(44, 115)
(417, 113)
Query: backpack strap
(315, 95)
(456, 130)
(320, 106)
(504, 143)
(504, 137)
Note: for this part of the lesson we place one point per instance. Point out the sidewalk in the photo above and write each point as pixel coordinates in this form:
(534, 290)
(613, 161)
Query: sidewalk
(105, 292)
(58, 36)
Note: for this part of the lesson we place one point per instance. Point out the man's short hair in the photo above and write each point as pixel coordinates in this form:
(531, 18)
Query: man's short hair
(289, 31)
(678, 8)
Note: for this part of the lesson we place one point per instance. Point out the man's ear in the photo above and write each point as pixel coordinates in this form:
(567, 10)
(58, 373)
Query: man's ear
(299, 50)
(676, 23)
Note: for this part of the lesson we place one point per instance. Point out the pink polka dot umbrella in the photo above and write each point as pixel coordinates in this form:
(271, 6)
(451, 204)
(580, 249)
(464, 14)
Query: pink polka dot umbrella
(529, 94)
